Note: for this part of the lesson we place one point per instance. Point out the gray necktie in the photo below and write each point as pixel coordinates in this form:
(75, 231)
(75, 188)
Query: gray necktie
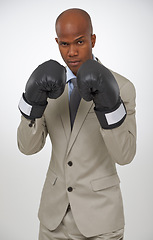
(74, 101)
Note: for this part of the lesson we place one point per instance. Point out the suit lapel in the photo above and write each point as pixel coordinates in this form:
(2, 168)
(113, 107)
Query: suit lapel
(64, 112)
(63, 104)
(82, 112)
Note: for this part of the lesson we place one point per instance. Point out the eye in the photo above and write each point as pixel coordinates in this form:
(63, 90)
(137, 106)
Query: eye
(64, 44)
(80, 42)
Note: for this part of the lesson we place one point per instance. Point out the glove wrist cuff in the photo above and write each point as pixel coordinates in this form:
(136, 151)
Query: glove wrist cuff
(31, 111)
(112, 119)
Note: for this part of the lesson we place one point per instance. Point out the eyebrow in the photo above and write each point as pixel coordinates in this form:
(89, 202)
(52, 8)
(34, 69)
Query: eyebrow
(79, 38)
(62, 41)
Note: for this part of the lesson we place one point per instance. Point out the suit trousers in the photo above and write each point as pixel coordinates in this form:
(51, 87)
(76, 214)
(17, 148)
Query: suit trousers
(68, 230)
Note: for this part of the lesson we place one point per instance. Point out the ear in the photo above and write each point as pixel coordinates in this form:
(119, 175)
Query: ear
(93, 40)
(56, 39)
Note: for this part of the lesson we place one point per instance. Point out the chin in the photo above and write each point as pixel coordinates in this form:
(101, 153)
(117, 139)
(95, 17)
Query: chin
(74, 70)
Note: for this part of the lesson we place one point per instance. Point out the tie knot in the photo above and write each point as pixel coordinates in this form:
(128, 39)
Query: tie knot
(74, 81)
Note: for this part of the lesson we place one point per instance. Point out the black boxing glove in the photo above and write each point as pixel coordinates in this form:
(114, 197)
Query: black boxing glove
(47, 81)
(97, 83)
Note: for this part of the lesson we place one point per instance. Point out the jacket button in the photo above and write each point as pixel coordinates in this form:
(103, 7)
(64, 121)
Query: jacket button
(70, 163)
(31, 123)
(70, 189)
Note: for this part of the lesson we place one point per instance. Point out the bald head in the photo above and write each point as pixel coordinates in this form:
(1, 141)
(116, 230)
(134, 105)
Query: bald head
(74, 16)
(74, 37)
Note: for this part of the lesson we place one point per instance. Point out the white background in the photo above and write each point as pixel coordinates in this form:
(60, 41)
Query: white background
(124, 30)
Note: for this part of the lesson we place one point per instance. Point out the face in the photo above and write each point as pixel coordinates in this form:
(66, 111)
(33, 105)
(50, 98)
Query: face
(75, 42)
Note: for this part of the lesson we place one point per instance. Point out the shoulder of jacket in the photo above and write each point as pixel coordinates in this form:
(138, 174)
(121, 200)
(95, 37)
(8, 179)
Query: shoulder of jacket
(121, 80)
(127, 89)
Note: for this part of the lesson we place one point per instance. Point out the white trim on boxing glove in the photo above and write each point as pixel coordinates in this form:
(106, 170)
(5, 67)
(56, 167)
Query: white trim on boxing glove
(25, 107)
(115, 116)
(113, 119)
(31, 111)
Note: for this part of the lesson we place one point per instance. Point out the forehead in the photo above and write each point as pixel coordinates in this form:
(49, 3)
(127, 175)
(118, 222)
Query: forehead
(72, 26)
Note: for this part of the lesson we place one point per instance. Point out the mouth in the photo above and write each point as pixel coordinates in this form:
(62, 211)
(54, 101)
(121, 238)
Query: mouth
(73, 63)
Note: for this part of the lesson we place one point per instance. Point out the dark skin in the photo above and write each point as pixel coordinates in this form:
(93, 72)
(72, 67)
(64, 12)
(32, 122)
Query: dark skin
(75, 38)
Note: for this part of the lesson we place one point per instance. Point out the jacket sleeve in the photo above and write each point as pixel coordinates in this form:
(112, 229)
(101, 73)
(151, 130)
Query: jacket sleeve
(31, 139)
(121, 141)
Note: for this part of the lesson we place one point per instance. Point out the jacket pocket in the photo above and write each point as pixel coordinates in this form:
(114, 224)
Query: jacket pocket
(51, 177)
(105, 182)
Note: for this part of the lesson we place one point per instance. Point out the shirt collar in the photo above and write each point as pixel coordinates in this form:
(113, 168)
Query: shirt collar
(70, 74)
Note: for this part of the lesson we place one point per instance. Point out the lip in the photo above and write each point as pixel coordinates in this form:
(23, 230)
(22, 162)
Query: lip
(74, 63)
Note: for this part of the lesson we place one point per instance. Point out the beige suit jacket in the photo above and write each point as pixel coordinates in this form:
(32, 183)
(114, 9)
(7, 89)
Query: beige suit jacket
(82, 169)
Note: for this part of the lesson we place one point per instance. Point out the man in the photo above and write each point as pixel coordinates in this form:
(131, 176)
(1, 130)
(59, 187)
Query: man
(81, 198)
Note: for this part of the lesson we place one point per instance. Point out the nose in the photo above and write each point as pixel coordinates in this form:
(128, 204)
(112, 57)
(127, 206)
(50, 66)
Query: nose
(72, 50)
